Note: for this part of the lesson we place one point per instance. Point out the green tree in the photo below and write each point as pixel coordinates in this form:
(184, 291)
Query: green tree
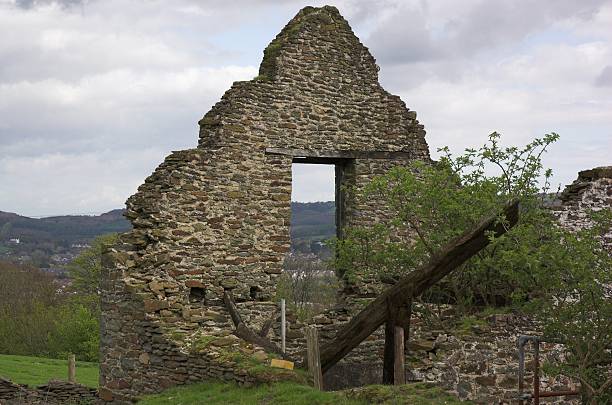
(85, 269)
(76, 330)
(578, 310)
(431, 204)
(537, 264)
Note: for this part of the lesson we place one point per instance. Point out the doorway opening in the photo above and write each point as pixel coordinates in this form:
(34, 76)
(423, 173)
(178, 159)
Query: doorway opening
(316, 204)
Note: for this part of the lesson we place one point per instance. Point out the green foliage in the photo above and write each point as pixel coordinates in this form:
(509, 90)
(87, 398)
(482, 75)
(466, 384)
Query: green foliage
(432, 204)
(579, 312)
(85, 268)
(297, 394)
(469, 323)
(36, 318)
(37, 370)
(536, 266)
(27, 309)
(77, 330)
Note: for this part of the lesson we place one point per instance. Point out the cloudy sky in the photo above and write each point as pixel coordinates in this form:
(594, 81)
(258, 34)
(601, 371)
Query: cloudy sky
(94, 93)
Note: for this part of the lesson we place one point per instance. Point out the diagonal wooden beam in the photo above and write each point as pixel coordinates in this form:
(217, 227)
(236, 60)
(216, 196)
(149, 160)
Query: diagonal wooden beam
(453, 255)
(244, 332)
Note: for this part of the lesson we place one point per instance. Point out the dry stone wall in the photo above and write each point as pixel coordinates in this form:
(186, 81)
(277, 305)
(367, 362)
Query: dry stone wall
(54, 392)
(216, 217)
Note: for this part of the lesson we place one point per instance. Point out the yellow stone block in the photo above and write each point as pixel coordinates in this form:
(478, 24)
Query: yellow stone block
(281, 364)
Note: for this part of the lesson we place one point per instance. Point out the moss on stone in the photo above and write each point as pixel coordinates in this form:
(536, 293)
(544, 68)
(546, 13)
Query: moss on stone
(202, 342)
(468, 325)
(268, 68)
(209, 121)
(177, 335)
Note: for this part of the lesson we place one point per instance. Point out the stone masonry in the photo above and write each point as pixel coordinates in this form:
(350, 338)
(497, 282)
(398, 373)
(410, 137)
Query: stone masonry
(591, 191)
(216, 217)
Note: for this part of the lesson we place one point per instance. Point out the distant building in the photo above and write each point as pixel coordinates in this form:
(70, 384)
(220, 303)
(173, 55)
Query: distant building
(14, 241)
(80, 245)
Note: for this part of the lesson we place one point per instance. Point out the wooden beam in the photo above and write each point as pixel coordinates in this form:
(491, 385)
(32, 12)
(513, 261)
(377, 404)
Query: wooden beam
(398, 318)
(244, 332)
(328, 156)
(314, 360)
(453, 255)
(399, 369)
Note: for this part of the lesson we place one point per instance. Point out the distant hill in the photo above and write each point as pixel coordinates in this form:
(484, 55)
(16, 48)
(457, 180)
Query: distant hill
(312, 223)
(316, 220)
(64, 235)
(64, 230)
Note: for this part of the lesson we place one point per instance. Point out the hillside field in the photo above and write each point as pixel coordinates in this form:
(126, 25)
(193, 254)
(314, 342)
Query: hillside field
(38, 370)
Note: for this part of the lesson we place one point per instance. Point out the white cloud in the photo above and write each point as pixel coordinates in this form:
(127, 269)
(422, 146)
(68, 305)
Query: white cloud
(94, 93)
(313, 182)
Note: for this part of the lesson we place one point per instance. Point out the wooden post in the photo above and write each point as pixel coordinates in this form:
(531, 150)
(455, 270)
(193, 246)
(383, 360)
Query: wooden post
(283, 326)
(314, 360)
(71, 369)
(397, 327)
(536, 372)
(399, 372)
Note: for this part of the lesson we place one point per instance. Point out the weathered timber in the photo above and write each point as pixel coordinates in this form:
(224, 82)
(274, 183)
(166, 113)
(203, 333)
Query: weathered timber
(314, 360)
(313, 155)
(265, 328)
(453, 255)
(244, 332)
(399, 371)
(398, 318)
(72, 368)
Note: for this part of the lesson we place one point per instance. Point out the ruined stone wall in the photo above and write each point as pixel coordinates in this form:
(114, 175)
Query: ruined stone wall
(591, 191)
(216, 217)
(52, 393)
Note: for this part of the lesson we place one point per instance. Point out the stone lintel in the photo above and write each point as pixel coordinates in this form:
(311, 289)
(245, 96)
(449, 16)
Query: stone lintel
(328, 156)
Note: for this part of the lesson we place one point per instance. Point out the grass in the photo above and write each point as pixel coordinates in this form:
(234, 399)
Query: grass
(468, 324)
(225, 393)
(409, 394)
(37, 370)
(293, 393)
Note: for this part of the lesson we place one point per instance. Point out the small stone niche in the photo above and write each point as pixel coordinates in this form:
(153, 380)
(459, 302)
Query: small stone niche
(255, 293)
(197, 294)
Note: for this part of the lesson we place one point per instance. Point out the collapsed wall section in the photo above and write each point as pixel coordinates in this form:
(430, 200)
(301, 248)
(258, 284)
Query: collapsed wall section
(590, 192)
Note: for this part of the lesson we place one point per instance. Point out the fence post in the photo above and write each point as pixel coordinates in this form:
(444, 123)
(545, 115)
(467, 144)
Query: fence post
(283, 326)
(71, 369)
(314, 359)
(399, 371)
(536, 372)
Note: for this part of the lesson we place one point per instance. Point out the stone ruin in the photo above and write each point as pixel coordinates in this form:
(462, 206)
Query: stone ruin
(591, 191)
(54, 392)
(216, 218)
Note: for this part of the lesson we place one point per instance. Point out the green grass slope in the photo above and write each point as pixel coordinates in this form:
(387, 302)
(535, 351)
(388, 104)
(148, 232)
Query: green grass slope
(295, 394)
(37, 370)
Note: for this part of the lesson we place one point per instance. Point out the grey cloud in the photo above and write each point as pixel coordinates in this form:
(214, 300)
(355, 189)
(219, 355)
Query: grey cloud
(414, 34)
(124, 75)
(28, 4)
(605, 77)
(492, 24)
(404, 39)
